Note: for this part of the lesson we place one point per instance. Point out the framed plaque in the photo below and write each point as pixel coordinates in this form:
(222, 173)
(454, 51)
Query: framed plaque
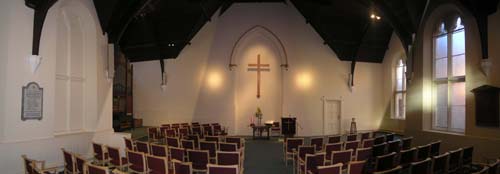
(32, 102)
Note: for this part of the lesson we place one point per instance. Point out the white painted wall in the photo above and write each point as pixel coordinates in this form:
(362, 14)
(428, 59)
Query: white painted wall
(36, 138)
(315, 72)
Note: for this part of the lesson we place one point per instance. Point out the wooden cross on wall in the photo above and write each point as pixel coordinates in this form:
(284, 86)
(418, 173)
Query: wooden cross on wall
(258, 68)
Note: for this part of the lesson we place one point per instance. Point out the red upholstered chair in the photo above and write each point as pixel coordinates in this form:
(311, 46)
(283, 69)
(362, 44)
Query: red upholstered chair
(176, 153)
(351, 137)
(421, 167)
(157, 165)
(312, 162)
(69, 162)
(389, 137)
(351, 145)
(385, 162)
(207, 130)
(195, 138)
(230, 158)
(436, 148)
(240, 142)
(159, 150)
(343, 157)
(228, 147)
(153, 134)
(334, 139)
(329, 148)
(217, 129)
(365, 135)
(290, 148)
(276, 128)
(32, 166)
(317, 143)
(367, 143)
(212, 139)
(406, 157)
(182, 167)
(187, 144)
(94, 169)
(137, 162)
(300, 159)
(198, 131)
(395, 170)
(364, 154)
(379, 140)
(330, 169)
(173, 142)
(379, 149)
(115, 159)
(129, 143)
(195, 124)
(171, 132)
(116, 171)
(163, 132)
(220, 169)
(211, 147)
(454, 164)
(99, 155)
(142, 146)
(423, 152)
(80, 163)
(439, 163)
(356, 167)
(176, 125)
(406, 143)
(199, 160)
(166, 125)
(183, 132)
(394, 146)
(494, 167)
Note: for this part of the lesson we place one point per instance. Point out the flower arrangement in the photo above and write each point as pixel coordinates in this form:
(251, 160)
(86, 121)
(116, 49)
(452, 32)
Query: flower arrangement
(258, 113)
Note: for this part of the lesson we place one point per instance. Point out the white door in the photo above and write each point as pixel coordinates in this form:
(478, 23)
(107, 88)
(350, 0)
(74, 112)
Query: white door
(331, 117)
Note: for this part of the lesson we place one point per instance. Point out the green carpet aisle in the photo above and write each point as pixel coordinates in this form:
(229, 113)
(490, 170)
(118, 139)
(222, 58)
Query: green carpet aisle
(265, 157)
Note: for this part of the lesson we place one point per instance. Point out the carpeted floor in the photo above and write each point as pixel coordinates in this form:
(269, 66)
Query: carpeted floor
(265, 157)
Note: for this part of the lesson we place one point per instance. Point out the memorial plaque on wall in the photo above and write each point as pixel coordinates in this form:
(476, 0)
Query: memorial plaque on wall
(32, 106)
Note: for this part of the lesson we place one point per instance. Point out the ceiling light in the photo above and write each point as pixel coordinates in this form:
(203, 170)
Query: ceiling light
(372, 16)
(378, 17)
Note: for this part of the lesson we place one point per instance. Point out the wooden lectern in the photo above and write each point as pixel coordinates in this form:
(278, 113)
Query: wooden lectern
(288, 126)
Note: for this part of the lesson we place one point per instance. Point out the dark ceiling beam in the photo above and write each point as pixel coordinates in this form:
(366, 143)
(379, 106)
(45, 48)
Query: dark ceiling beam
(481, 10)
(41, 8)
(117, 32)
(385, 11)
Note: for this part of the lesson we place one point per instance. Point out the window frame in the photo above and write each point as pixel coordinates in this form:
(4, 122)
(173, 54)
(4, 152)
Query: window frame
(450, 79)
(395, 115)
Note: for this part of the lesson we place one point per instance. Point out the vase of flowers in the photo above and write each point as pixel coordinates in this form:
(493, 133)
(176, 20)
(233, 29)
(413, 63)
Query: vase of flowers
(258, 115)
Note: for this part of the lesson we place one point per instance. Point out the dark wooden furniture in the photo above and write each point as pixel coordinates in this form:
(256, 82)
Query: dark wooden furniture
(288, 126)
(487, 106)
(258, 131)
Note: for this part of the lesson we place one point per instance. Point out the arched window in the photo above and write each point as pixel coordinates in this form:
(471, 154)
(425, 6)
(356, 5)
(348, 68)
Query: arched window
(449, 75)
(400, 91)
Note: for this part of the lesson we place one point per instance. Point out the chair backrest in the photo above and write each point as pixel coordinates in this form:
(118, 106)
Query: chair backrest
(211, 147)
(303, 150)
(330, 169)
(128, 143)
(94, 169)
(364, 154)
(183, 132)
(351, 145)
(356, 167)
(379, 140)
(199, 159)
(212, 139)
(173, 142)
(163, 131)
(435, 148)
(98, 151)
(421, 167)
(343, 157)
(329, 148)
(276, 124)
(423, 152)
(368, 142)
(365, 135)
(236, 140)
(484, 170)
(406, 143)
(166, 126)
(137, 161)
(170, 133)
(293, 143)
(114, 155)
(394, 146)
(152, 133)
(389, 137)
(217, 129)
(28, 166)
(440, 163)
(395, 170)
(157, 165)
(187, 144)
(467, 155)
(195, 138)
(176, 153)
(313, 161)
(351, 137)
(182, 167)
(385, 162)
(207, 130)
(408, 156)
(455, 160)
(317, 143)
(379, 149)
(159, 150)
(334, 139)
(228, 158)
(228, 147)
(142, 146)
(69, 162)
(221, 169)
(80, 163)
(197, 131)
(494, 168)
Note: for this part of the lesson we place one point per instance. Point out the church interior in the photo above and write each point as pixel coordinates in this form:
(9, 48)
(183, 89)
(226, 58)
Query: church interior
(249, 86)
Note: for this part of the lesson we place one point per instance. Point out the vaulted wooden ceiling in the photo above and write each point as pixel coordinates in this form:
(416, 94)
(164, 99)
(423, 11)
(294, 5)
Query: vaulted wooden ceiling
(160, 29)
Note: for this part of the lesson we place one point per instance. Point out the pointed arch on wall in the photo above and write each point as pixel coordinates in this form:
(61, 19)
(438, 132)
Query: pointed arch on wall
(267, 33)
